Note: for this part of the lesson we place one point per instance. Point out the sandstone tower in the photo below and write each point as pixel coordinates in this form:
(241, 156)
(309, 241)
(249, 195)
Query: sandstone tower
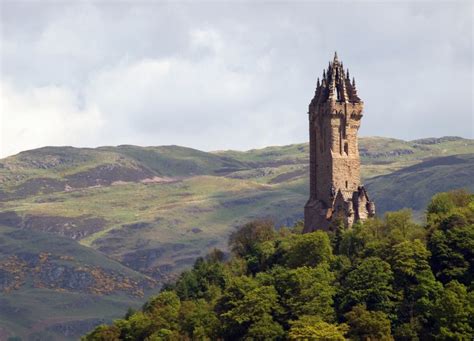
(336, 194)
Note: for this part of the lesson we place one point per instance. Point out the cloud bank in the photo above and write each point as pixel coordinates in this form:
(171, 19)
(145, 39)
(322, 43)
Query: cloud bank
(232, 75)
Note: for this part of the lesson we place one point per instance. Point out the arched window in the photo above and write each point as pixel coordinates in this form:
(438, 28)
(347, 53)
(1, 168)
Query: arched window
(347, 184)
(346, 148)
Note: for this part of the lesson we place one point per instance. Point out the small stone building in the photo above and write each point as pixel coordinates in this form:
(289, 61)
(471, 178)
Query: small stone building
(336, 194)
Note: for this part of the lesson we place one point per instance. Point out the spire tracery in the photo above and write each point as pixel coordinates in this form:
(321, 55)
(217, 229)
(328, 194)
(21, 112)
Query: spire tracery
(336, 85)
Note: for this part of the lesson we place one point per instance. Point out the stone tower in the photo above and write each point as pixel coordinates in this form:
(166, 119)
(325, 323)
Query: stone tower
(336, 194)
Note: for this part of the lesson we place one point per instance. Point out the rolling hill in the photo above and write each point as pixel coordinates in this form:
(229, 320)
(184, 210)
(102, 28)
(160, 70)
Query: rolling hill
(146, 213)
(53, 288)
(413, 186)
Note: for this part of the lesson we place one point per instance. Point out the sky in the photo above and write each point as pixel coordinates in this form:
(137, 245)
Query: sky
(226, 75)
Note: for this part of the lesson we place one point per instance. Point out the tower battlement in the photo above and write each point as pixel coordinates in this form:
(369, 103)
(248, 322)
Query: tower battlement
(335, 113)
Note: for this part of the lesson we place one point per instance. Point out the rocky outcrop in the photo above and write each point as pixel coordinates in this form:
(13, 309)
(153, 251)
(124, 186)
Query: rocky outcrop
(63, 273)
(71, 227)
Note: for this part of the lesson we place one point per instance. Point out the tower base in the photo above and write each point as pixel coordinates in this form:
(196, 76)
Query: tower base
(345, 209)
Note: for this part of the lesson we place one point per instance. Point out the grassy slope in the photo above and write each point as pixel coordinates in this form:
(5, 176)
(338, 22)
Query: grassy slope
(40, 299)
(210, 192)
(159, 228)
(414, 186)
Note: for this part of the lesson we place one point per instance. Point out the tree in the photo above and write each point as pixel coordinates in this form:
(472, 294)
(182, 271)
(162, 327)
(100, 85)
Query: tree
(368, 325)
(454, 313)
(204, 275)
(443, 204)
(415, 280)
(162, 310)
(452, 247)
(103, 333)
(313, 328)
(188, 286)
(352, 243)
(363, 240)
(440, 204)
(305, 291)
(243, 241)
(265, 328)
(401, 227)
(369, 283)
(309, 249)
(197, 318)
(139, 326)
(408, 330)
(254, 304)
(409, 259)
(244, 303)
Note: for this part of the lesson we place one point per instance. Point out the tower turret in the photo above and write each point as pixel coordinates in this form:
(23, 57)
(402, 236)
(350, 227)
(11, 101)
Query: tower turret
(335, 113)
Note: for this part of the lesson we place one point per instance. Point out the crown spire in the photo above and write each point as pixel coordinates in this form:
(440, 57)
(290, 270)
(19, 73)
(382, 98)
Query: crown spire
(336, 84)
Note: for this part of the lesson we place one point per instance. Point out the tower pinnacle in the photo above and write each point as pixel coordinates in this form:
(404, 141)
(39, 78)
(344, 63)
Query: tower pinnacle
(336, 85)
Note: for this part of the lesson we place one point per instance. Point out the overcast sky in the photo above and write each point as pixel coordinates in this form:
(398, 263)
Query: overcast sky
(226, 75)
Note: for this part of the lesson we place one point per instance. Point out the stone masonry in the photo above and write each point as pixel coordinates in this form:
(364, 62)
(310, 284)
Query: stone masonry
(336, 194)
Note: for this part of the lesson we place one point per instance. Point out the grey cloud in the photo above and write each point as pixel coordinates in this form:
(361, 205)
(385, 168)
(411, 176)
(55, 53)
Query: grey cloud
(247, 80)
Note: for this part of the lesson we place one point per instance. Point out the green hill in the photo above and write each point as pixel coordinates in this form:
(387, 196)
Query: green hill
(156, 209)
(413, 186)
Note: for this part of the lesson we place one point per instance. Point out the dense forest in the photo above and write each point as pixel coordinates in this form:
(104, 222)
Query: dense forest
(385, 279)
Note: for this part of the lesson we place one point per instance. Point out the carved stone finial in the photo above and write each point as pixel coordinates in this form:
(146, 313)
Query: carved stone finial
(317, 84)
(324, 73)
(335, 56)
(347, 74)
(353, 82)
